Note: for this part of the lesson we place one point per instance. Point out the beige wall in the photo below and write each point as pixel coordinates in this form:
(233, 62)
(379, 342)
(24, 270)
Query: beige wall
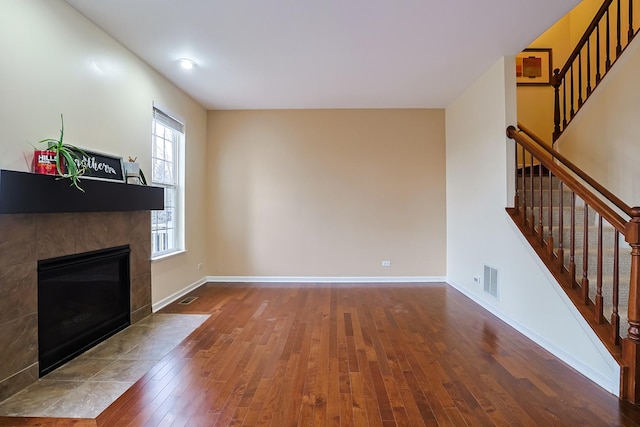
(479, 232)
(325, 193)
(535, 103)
(55, 61)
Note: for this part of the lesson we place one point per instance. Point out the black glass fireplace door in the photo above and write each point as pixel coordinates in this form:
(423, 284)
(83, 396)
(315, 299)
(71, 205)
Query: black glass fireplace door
(82, 300)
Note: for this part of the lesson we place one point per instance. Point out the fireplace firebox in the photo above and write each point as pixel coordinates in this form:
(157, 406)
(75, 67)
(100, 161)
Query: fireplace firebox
(82, 300)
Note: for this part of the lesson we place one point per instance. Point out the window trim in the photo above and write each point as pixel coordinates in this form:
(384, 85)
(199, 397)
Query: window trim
(176, 124)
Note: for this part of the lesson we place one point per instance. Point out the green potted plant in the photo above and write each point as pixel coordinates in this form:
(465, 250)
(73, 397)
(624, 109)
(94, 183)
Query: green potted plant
(66, 157)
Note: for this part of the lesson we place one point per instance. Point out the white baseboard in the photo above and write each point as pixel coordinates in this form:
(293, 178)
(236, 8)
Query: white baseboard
(182, 292)
(611, 385)
(298, 280)
(310, 280)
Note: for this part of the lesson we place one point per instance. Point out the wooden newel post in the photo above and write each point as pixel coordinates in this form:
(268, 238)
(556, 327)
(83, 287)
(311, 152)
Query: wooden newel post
(516, 201)
(631, 343)
(555, 81)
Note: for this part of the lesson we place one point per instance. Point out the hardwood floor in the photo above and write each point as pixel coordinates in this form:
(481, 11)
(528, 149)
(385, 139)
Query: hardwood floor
(354, 356)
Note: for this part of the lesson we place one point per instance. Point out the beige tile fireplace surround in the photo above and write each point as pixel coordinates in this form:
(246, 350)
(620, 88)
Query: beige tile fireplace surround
(27, 238)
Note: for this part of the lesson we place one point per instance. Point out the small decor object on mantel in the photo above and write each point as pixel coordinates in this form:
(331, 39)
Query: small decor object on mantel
(65, 158)
(44, 162)
(133, 172)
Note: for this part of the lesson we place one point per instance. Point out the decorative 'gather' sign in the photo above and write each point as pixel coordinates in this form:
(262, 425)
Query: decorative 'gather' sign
(100, 166)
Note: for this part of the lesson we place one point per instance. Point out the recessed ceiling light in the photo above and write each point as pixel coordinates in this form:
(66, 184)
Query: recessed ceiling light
(187, 63)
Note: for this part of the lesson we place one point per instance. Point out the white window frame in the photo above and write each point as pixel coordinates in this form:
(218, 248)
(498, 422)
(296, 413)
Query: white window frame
(167, 171)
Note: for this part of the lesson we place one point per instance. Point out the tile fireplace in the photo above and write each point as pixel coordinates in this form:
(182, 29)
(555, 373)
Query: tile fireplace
(27, 238)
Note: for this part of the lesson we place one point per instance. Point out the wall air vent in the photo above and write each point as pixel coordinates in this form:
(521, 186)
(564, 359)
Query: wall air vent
(491, 281)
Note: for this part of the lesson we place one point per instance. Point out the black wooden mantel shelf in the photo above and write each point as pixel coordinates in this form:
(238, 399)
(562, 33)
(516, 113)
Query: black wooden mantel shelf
(24, 192)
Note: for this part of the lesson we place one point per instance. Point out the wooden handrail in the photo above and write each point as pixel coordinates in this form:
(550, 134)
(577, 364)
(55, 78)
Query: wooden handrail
(575, 169)
(592, 200)
(583, 40)
(575, 82)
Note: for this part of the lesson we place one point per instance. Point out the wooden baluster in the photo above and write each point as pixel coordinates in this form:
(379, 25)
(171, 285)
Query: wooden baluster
(618, 30)
(572, 244)
(584, 283)
(631, 33)
(615, 316)
(532, 219)
(573, 111)
(561, 227)
(523, 213)
(631, 343)
(550, 217)
(540, 199)
(516, 201)
(598, 76)
(556, 104)
(564, 103)
(608, 60)
(599, 304)
(579, 80)
(588, 67)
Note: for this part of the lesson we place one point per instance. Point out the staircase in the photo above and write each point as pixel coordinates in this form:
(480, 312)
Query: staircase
(588, 238)
(582, 233)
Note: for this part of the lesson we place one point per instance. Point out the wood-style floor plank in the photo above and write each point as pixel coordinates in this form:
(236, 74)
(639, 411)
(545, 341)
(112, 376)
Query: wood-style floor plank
(353, 356)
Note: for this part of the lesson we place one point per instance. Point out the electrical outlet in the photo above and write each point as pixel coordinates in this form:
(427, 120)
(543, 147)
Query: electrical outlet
(476, 279)
(386, 263)
(199, 266)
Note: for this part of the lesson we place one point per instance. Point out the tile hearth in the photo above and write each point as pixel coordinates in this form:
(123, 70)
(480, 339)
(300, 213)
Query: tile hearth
(87, 385)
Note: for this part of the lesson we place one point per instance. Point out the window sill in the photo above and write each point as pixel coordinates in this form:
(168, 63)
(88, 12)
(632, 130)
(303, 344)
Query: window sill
(166, 256)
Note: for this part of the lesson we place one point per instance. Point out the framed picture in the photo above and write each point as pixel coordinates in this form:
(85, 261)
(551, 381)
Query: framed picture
(533, 67)
(101, 166)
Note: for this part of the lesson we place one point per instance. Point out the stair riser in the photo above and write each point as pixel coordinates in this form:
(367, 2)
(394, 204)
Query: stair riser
(555, 183)
(608, 238)
(624, 323)
(624, 265)
(566, 197)
(607, 295)
(566, 216)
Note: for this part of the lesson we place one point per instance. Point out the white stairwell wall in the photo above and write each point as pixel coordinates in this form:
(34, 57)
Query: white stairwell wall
(604, 138)
(479, 187)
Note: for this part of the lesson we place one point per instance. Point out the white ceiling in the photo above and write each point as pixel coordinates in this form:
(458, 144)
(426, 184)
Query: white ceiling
(324, 53)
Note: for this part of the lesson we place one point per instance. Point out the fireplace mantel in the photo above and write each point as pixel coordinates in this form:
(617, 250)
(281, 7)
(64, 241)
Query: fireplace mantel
(24, 192)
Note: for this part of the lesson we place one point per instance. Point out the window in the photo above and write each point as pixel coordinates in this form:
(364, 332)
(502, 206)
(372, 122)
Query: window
(167, 138)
